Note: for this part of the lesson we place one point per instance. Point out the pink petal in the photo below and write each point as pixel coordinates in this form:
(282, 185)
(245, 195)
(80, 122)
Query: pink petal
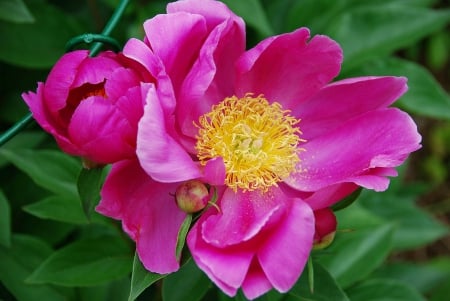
(287, 68)
(148, 213)
(214, 172)
(211, 78)
(214, 12)
(161, 156)
(382, 138)
(101, 131)
(330, 195)
(243, 215)
(96, 69)
(35, 102)
(256, 282)
(226, 268)
(119, 82)
(334, 104)
(60, 79)
(176, 39)
(137, 51)
(288, 245)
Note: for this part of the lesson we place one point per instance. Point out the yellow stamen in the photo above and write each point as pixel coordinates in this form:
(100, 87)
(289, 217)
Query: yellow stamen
(258, 141)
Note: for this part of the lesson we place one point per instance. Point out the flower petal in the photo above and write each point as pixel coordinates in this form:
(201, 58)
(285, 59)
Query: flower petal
(334, 104)
(176, 39)
(161, 156)
(102, 132)
(354, 152)
(35, 102)
(211, 78)
(287, 68)
(243, 215)
(288, 246)
(60, 79)
(226, 268)
(95, 70)
(148, 213)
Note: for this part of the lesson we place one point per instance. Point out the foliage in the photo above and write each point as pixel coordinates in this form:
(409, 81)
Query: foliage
(53, 246)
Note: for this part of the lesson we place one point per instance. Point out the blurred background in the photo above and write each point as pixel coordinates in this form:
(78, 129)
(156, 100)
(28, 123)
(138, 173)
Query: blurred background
(402, 234)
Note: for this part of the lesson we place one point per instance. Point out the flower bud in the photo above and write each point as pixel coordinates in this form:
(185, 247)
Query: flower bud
(192, 196)
(325, 228)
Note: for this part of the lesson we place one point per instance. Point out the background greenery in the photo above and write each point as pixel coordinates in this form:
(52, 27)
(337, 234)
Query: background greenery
(390, 246)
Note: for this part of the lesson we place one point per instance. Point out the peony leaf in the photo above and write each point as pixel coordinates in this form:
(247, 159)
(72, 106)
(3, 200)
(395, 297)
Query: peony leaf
(368, 32)
(414, 227)
(182, 233)
(58, 208)
(353, 255)
(384, 290)
(41, 43)
(187, 284)
(431, 275)
(5, 221)
(15, 11)
(89, 184)
(19, 261)
(325, 287)
(85, 262)
(141, 279)
(50, 169)
(347, 201)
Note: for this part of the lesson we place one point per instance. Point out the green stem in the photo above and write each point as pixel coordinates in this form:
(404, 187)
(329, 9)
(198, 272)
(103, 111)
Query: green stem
(110, 25)
(15, 129)
(21, 124)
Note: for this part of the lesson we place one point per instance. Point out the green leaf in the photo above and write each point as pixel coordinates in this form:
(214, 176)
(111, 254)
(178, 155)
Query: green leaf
(187, 284)
(26, 140)
(141, 279)
(59, 208)
(5, 221)
(15, 11)
(19, 260)
(347, 201)
(407, 272)
(353, 255)
(112, 291)
(41, 43)
(181, 239)
(253, 13)
(89, 184)
(425, 96)
(325, 287)
(414, 226)
(368, 32)
(85, 263)
(49, 169)
(384, 290)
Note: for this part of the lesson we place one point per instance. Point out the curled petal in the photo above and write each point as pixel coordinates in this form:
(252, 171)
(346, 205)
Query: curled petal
(148, 212)
(60, 79)
(161, 156)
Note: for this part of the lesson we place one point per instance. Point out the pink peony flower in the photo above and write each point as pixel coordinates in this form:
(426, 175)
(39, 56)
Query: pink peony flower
(91, 105)
(267, 130)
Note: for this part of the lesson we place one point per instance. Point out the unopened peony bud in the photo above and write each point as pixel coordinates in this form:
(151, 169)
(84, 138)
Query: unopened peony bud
(325, 228)
(192, 196)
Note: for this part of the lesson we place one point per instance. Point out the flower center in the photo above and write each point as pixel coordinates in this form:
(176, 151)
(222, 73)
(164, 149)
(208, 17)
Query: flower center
(258, 141)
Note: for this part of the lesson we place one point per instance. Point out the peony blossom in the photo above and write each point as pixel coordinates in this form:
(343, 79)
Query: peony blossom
(91, 105)
(267, 129)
